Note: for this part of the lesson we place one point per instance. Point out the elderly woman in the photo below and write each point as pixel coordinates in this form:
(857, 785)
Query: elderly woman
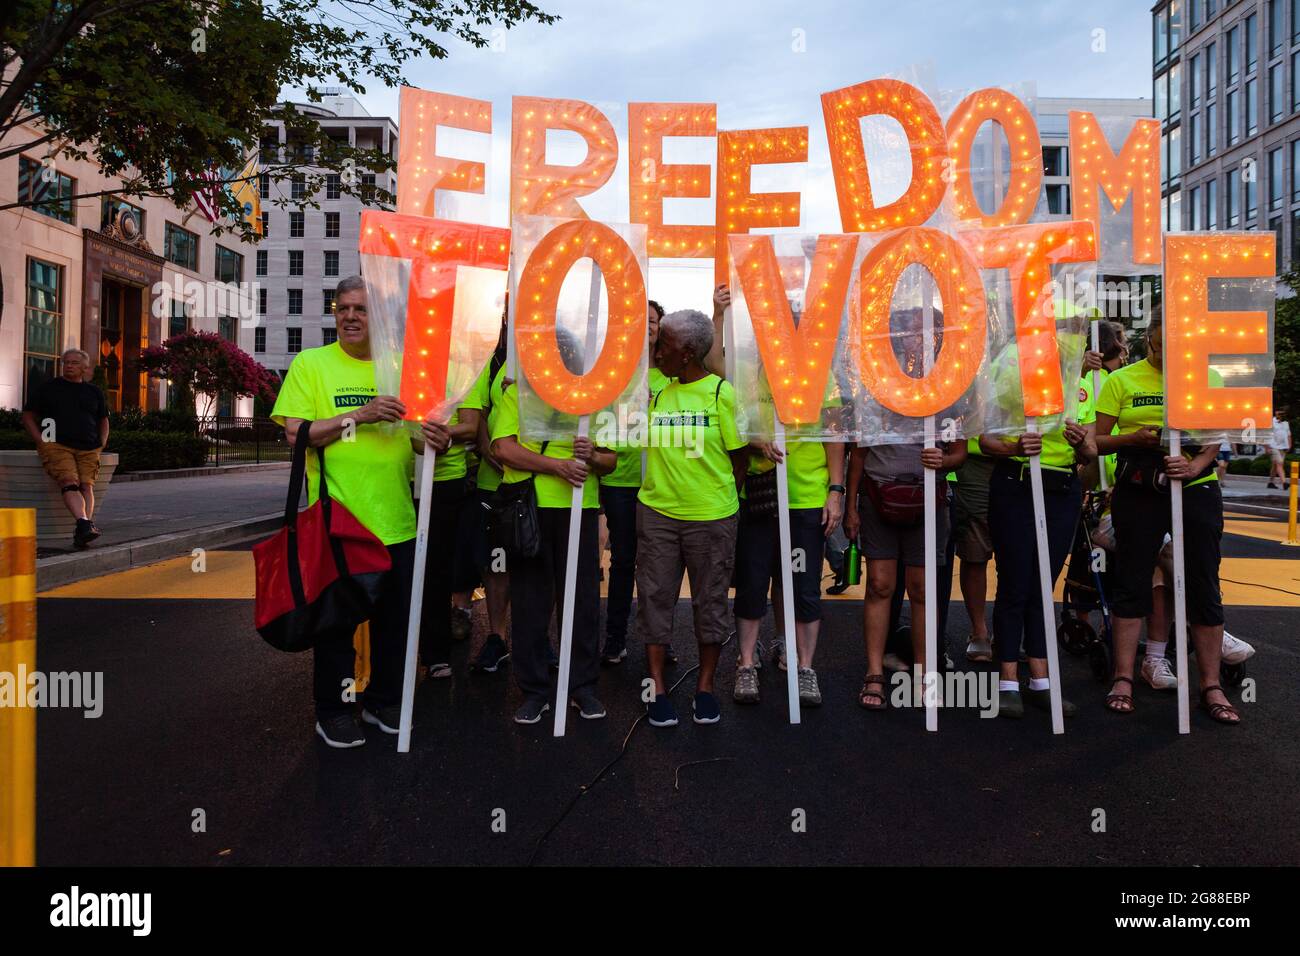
(1131, 404)
(537, 583)
(686, 512)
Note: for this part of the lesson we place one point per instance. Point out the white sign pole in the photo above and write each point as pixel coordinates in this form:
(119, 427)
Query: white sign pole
(1096, 394)
(931, 530)
(787, 574)
(1180, 587)
(575, 527)
(417, 600)
(1045, 583)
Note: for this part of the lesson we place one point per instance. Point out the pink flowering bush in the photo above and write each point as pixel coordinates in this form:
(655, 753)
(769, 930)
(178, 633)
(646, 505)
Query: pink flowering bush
(206, 362)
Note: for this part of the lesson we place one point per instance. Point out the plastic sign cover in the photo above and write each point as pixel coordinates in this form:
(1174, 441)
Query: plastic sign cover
(435, 292)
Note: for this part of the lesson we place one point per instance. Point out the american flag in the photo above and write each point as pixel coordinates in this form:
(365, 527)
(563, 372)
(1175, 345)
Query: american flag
(208, 198)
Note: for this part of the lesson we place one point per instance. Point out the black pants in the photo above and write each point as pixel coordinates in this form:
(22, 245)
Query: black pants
(619, 505)
(758, 563)
(334, 658)
(449, 499)
(465, 567)
(1142, 519)
(1018, 606)
(537, 590)
(942, 598)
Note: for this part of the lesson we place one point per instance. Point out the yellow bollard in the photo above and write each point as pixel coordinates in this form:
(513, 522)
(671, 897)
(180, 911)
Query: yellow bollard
(17, 654)
(361, 668)
(1290, 523)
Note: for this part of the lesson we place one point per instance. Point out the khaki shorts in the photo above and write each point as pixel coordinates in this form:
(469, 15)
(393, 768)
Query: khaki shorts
(971, 535)
(63, 464)
(665, 549)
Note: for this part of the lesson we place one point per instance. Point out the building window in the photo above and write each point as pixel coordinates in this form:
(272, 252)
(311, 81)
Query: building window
(1175, 90)
(259, 339)
(1275, 105)
(333, 186)
(1274, 29)
(1175, 153)
(1175, 25)
(295, 339)
(327, 301)
(1233, 190)
(1194, 16)
(1252, 42)
(1211, 115)
(1295, 170)
(1193, 140)
(1195, 69)
(1195, 202)
(329, 336)
(1295, 80)
(331, 225)
(1160, 41)
(1058, 200)
(261, 301)
(1173, 212)
(1295, 236)
(1234, 119)
(367, 187)
(1252, 107)
(295, 262)
(298, 186)
(266, 224)
(1276, 226)
(230, 265)
(1056, 161)
(295, 301)
(295, 225)
(1252, 192)
(1295, 21)
(1211, 204)
(44, 333)
(226, 327)
(178, 322)
(1275, 186)
(261, 262)
(332, 263)
(1234, 54)
(1162, 97)
(112, 206)
(264, 185)
(181, 247)
(46, 190)
(1211, 72)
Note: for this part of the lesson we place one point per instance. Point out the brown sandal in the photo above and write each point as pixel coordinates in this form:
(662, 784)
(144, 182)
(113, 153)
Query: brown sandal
(1219, 712)
(864, 694)
(1120, 703)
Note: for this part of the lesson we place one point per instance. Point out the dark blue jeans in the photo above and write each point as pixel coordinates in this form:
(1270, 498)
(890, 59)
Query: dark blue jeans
(620, 518)
(1018, 608)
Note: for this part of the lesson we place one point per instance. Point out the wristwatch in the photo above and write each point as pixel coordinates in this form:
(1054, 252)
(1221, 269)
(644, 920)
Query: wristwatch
(839, 488)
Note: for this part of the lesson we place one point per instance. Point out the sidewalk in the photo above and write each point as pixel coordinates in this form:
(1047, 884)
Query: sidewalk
(1252, 495)
(145, 521)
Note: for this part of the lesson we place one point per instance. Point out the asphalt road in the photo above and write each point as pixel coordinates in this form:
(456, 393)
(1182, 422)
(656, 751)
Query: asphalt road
(200, 715)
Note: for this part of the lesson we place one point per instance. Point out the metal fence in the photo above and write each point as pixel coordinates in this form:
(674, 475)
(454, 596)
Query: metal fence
(236, 440)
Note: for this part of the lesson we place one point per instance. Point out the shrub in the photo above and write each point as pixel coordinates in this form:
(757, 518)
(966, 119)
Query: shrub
(162, 420)
(149, 450)
(11, 418)
(14, 439)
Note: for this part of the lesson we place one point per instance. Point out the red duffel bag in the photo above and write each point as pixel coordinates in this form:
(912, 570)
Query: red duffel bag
(319, 574)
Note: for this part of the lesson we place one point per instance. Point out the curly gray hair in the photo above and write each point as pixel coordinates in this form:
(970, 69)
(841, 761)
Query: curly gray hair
(694, 330)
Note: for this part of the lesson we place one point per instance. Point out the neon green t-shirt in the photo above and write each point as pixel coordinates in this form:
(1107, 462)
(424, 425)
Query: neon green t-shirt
(489, 475)
(552, 492)
(627, 472)
(1057, 452)
(369, 475)
(688, 466)
(452, 463)
(1135, 396)
(807, 472)
(1085, 386)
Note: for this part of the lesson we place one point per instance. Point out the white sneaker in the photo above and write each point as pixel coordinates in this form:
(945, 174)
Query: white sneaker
(778, 652)
(1157, 672)
(893, 662)
(1235, 650)
(979, 649)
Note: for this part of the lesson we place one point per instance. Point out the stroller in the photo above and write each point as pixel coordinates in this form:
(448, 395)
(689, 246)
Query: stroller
(1085, 592)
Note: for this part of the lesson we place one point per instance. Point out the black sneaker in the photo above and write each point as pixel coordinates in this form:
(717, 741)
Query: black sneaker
(531, 710)
(615, 650)
(341, 731)
(660, 712)
(388, 719)
(491, 655)
(85, 533)
(588, 704)
(706, 710)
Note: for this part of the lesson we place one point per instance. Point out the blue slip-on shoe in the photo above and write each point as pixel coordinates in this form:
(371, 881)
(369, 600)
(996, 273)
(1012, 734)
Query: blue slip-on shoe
(706, 709)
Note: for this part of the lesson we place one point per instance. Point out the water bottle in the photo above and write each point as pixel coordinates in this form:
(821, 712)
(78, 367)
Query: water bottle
(853, 564)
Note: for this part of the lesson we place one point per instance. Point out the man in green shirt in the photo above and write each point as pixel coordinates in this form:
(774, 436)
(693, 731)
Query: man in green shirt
(370, 458)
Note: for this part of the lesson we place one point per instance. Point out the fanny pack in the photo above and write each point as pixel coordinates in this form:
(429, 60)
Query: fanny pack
(1142, 468)
(761, 494)
(899, 503)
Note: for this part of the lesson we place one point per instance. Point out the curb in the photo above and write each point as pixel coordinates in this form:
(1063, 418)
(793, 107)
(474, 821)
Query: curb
(199, 472)
(69, 568)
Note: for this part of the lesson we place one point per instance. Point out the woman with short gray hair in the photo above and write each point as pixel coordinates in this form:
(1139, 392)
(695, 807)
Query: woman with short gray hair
(687, 506)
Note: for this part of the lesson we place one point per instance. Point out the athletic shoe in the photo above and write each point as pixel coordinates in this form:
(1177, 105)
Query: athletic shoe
(588, 704)
(462, 623)
(660, 713)
(777, 648)
(491, 655)
(340, 731)
(388, 719)
(841, 581)
(1042, 699)
(810, 695)
(706, 709)
(746, 691)
(615, 650)
(1157, 672)
(1235, 650)
(441, 669)
(85, 533)
(1011, 704)
(979, 650)
(1273, 486)
(893, 662)
(531, 710)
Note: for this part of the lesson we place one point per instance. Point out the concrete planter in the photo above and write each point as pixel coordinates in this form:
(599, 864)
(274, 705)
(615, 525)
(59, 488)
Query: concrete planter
(24, 484)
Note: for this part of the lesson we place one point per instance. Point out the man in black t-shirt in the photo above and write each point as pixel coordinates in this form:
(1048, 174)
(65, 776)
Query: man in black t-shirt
(67, 417)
